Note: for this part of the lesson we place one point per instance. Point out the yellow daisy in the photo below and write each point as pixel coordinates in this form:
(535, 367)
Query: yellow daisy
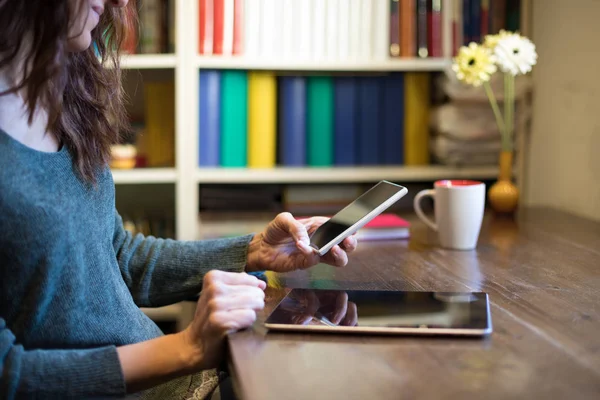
(474, 64)
(492, 40)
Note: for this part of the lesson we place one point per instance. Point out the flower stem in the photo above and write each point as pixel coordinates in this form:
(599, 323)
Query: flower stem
(508, 111)
(495, 108)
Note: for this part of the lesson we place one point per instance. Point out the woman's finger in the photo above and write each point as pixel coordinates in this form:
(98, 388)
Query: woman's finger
(232, 278)
(336, 257)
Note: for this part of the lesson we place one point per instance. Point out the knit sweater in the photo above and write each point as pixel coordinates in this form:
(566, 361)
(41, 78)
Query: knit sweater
(72, 279)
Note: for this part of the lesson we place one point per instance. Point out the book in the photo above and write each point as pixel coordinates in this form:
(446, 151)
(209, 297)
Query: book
(292, 122)
(408, 28)
(319, 95)
(218, 25)
(394, 28)
(417, 100)
(369, 120)
(210, 118)
(234, 118)
(422, 28)
(385, 226)
(262, 119)
(345, 120)
(205, 28)
(159, 101)
(392, 120)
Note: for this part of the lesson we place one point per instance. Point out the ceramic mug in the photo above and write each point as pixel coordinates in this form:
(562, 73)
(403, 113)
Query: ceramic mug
(458, 206)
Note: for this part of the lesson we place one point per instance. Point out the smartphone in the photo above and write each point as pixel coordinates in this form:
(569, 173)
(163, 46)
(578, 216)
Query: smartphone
(355, 215)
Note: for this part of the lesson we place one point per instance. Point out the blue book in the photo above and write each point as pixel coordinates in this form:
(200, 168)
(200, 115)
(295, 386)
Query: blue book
(369, 135)
(292, 121)
(210, 124)
(345, 124)
(466, 14)
(392, 120)
(475, 21)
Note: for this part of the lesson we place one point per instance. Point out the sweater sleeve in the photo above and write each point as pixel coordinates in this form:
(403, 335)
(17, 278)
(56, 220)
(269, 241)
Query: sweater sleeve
(57, 374)
(164, 271)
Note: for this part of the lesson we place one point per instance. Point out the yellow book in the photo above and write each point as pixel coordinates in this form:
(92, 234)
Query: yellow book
(159, 99)
(416, 118)
(262, 119)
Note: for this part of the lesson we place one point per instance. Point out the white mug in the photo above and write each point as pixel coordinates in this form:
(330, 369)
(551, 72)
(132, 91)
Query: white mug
(458, 206)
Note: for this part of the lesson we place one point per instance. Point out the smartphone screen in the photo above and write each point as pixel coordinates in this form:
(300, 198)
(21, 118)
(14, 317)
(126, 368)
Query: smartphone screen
(370, 204)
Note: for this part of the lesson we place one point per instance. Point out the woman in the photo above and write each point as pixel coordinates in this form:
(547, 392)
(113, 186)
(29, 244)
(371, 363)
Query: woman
(71, 278)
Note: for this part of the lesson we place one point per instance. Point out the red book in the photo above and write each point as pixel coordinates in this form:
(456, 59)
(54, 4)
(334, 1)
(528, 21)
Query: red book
(218, 16)
(238, 27)
(205, 26)
(408, 28)
(434, 28)
(384, 227)
(485, 14)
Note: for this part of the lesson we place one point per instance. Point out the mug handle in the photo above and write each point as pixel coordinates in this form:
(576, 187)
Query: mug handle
(420, 213)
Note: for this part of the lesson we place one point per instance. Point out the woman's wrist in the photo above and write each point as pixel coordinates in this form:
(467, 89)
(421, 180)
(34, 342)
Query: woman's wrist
(150, 363)
(253, 257)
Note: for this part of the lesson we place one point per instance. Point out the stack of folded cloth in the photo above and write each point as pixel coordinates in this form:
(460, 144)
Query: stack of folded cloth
(464, 130)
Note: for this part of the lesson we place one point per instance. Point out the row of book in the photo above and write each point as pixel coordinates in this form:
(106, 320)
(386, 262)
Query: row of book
(416, 26)
(258, 120)
(156, 31)
(156, 225)
(294, 29)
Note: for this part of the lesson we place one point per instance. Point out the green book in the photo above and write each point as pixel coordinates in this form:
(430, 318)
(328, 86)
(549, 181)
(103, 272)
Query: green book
(319, 98)
(234, 118)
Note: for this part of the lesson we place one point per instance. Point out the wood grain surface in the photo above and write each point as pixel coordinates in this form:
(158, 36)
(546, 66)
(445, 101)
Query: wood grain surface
(542, 273)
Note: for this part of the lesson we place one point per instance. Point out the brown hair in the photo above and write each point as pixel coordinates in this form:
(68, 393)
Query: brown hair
(82, 90)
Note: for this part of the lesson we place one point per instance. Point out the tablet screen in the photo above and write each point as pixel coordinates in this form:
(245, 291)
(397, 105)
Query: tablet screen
(347, 308)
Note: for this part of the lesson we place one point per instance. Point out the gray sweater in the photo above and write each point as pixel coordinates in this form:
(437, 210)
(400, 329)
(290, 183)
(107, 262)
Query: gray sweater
(72, 279)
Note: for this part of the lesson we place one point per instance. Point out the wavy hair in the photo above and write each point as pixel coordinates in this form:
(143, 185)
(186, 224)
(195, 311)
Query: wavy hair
(81, 91)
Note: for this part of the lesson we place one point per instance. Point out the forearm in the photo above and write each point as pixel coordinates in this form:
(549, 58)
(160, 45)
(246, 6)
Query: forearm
(150, 363)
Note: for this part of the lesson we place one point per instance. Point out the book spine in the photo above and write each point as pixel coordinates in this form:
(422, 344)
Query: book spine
(484, 19)
(238, 27)
(345, 120)
(354, 29)
(435, 29)
(320, 121)
(319, 33)
(475, 21)
(457, 26)
(267, 20)
(218, 25)
(228, 26)
(252, 27)
(209, 118)
(408, 31)
(205, 29)
(393, 120)
(422, 28)
(416, 118)
(332, 28)
(159, 102)
(292, 106)
(368, 138)
(466, 21)
(234, 118)
(344, 27)
(394, 28)
(262, 119)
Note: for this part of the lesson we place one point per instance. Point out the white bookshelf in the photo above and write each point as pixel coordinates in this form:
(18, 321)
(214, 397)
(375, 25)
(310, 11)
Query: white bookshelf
(341, 175)
(391, 64)
(186, 176)
(144, 175)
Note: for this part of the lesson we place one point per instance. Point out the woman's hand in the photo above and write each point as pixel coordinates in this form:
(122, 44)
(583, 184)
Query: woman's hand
(284, 246)
(228, 302)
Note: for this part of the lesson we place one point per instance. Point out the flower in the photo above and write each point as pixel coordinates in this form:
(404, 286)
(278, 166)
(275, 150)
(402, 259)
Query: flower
(474, 64)
(515, 54)
(492, 40)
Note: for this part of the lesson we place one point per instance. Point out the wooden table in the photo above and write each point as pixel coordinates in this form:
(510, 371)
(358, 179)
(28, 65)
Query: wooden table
(542, 273)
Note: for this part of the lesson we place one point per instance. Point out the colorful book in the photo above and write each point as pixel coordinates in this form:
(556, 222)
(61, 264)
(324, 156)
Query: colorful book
(218, 25)
(497, 15)
(475, 21)
(513, 15)
(416, 118)
(392, 120)
(345, 120)
(159, 102)
(408, 28)
(292, 121)
(422, 28)
(385, 226)
(238, 27)
(434, 28)
(368, 134)
(319, 149)
(484, 28)
(262, 119)
(228, 22)
(234, 118)
(205, 28)
(394, 28)
(209, 118)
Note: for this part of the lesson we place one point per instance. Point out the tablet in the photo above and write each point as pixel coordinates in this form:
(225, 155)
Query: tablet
(383, 312)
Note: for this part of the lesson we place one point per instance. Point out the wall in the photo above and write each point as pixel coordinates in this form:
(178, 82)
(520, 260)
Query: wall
(564, 160)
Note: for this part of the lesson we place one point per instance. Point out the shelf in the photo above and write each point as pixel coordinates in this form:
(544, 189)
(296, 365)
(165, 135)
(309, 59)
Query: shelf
(342, 174)
(167, 313)
(148, 61)
(391, 64)
(145, 175)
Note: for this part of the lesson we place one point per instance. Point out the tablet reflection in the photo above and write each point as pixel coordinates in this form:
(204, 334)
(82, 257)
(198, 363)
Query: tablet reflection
(321, 307)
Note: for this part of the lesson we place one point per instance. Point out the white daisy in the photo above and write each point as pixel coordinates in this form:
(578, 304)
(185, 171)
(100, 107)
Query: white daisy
(515, 54)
